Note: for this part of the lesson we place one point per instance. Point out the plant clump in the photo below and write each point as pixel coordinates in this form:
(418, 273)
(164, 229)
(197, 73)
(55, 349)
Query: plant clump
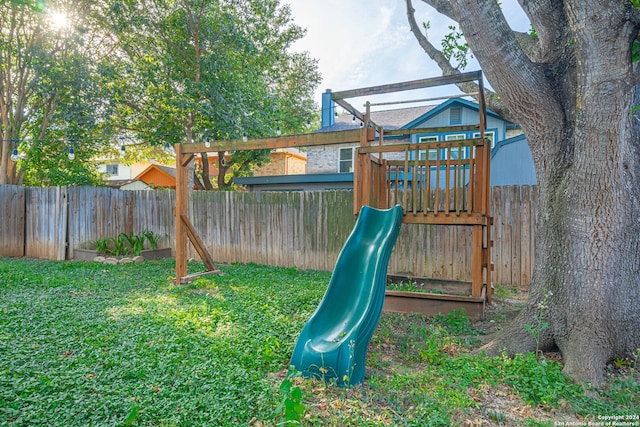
(126, 245)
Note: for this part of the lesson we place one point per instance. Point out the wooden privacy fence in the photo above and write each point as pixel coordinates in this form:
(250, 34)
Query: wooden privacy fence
(303, 229)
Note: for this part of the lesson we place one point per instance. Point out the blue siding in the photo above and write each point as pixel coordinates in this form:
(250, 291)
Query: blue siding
(512, 163)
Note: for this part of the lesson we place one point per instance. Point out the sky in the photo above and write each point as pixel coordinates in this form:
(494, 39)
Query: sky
(362, 43)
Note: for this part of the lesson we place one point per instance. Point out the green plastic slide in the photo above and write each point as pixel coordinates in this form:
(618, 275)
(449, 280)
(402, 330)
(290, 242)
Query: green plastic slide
(334, 341)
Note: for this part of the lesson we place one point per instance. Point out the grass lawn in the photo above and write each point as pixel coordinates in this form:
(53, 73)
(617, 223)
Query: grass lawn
(84, 344)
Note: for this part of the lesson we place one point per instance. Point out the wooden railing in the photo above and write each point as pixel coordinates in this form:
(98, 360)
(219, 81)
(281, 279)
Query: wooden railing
(444, 182)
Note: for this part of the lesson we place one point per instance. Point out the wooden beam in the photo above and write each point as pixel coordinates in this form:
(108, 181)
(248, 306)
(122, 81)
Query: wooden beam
(190, 277)
(197, 244)
(476, 261)
(301, 140)
(410, 85)
(440, 218)
(460, 128)
(433, 285)
(181, 209)
(186, 159)
(425, 303)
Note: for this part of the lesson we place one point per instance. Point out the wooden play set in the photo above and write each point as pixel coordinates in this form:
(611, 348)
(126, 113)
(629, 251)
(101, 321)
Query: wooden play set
(432, 181)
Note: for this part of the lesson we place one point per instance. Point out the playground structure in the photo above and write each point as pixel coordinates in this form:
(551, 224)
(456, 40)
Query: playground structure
(432, 181)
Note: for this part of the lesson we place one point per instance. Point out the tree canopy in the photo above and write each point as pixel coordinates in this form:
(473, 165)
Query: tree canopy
(210, 69)
(49, 101)
(87, 76)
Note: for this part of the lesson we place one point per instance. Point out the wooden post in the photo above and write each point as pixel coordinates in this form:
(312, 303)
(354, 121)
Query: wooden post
(476, 261)
(181, 210)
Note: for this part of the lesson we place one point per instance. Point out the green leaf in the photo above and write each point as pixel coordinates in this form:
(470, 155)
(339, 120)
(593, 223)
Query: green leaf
(132, 416)
(296, 394)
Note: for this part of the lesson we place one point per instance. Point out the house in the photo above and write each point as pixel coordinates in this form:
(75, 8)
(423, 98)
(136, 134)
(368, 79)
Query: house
(127, 184)
(512, 163)
(158, 176)
(508, 143)
(455, 111)
(114, 170)
(283, 161)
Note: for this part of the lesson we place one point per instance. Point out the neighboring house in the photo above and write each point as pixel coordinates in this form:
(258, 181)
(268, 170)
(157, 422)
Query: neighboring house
(138, 176)
(127, 184)
(113, 170)
(453, 112)
(158, 176)
(283, 161)
(512, 163)
(305, 182)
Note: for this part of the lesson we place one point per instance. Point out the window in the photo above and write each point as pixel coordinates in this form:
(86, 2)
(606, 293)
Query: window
(455, 115)
(491, 136)
(112, 169)
(455, 154)
(432, 151)
(345, 160)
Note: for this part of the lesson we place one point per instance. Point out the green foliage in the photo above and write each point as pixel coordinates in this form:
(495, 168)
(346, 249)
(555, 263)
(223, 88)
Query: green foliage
(538, 382)
(210, 70)
(455, 322)
(291, 409)
(57, 100)
(541, 325)
(152, 238)
(131, 348)
(504, 291)
(408, 286)
(454, 46)
(127, 244)
(150, 72)
(102, 245)
(46, 164)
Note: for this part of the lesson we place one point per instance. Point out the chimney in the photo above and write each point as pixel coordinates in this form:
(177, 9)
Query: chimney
(328, 109)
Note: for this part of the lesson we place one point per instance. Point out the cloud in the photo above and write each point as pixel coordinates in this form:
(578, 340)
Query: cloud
(361, 43)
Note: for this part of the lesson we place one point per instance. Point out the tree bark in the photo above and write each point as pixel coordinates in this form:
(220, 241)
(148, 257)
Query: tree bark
(574, 99)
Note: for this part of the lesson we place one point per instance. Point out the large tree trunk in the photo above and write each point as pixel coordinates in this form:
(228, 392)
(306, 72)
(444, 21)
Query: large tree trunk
(575, 105)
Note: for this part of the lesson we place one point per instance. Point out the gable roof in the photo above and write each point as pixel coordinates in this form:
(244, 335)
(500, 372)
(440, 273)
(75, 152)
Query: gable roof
(159, 176)
(404, 118)
(453, 102)
(505, 142)
(389, 119)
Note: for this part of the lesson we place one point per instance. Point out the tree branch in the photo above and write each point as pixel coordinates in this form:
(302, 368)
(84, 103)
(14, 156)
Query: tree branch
(506, 65)
(491, 98)
(550, 23)
(443, 7)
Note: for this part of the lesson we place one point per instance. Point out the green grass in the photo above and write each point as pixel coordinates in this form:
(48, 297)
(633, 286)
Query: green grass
(83, 344)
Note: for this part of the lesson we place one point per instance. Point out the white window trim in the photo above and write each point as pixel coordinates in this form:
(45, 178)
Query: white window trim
(423, 153)
(112, 166)
(458, 137)
(340, 161)
(492, 139)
